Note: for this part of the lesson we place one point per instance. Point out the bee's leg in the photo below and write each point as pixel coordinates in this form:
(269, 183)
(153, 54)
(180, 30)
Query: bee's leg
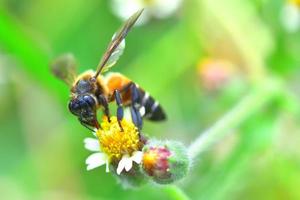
(86, 125)
(120, 110)
(104, 103)
(135, 106)
(96, 124)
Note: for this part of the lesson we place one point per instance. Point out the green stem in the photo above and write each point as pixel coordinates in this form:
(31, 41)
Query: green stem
(175, 192)
(260, 95)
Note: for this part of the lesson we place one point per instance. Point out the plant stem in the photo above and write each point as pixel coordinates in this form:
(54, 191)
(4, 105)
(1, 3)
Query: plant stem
(175, 192)
(262, 94)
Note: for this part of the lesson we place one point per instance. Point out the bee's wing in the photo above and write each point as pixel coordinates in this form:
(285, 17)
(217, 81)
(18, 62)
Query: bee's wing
(117, 45)
(64, 67)
(115, 55)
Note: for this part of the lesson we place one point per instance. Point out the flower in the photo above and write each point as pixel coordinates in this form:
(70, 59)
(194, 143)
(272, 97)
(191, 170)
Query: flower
(290, 16)
(154, 8)
(113, 146)
(115, 142)
(165, 161)
(156, 157)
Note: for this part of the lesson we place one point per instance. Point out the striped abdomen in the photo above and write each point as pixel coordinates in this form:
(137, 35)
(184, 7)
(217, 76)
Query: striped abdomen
(152, 109)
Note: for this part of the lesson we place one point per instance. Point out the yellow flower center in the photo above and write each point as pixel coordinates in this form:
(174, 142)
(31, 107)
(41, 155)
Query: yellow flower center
(116, 143)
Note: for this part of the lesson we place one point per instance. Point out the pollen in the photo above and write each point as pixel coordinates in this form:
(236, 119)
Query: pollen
(116, 143)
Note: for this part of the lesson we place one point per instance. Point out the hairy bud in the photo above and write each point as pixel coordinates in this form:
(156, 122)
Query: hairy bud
(165, 161)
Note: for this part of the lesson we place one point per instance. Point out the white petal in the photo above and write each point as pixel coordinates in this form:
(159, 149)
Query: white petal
(137, 157)
(91, 144)
(128, 164)
(122, 164)
(107, 167)
(95, 160)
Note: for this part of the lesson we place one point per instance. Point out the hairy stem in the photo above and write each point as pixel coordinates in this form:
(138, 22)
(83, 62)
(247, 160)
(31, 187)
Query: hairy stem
(260, 95)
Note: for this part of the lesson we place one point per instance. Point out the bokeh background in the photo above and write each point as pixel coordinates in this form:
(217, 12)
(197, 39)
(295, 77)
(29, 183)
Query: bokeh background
(199, 60)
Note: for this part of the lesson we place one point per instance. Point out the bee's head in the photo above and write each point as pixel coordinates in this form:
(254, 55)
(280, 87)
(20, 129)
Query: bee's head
(84, 107)
(84, 86)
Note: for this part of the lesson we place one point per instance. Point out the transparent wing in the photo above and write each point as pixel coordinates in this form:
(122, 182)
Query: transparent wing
(64, 67)
(117, 45)
(116, 54)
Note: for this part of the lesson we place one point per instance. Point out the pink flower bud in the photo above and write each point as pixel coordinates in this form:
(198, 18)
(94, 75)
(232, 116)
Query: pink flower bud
(165, 161)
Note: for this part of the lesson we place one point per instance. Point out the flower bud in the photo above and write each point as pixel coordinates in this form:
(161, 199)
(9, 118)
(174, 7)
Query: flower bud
(165, 161)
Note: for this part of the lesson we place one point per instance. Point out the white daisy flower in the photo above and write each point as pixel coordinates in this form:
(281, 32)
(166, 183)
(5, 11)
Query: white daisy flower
(113, 145)
(153, 8)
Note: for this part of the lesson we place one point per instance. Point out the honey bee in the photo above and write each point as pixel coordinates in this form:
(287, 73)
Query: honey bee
(92, 90)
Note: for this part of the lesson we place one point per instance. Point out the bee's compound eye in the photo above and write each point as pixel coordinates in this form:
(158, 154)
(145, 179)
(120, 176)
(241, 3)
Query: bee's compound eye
(89, 100)
(74, 107)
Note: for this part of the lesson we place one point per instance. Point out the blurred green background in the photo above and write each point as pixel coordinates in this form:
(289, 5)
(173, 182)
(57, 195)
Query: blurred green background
(198, 62)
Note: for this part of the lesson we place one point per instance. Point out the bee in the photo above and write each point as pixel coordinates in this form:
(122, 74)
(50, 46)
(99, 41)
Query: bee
(92, 90)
